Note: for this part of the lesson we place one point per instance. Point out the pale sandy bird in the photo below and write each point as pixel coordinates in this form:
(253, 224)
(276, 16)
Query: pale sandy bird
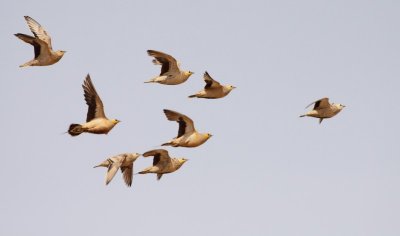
(187, 134)
(213, 89)
(44, 54)
(162, 163)
(170, 72)
(323, 109)
(96, 120)
(123, 162)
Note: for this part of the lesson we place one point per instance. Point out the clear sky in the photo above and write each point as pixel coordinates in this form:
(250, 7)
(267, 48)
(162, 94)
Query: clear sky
(264, 172)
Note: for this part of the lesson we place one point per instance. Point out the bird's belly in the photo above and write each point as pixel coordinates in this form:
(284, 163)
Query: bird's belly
(325, 113)
(214, 93)
(97, 126)
(192, 141)
(174, 79)
(47, 59)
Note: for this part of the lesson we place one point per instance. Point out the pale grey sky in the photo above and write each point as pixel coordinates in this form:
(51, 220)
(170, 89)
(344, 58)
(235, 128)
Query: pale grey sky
(264, 172)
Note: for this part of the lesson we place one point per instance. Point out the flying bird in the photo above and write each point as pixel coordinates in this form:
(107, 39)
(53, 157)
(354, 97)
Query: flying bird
(213, 89)
(187, 134)
(162, 163)
(170, 72)
(96, 120)
(323, 109)
(44, 54)
(123, 162)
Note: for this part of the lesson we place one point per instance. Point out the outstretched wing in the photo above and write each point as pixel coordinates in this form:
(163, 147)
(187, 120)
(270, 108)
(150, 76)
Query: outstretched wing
(161, 156)
(95, 109)
(31, 40)
(38, 31)
(169, 63)
(320, 104)
(210, 82)
(116, 163)
(127, 172)
(185, 123)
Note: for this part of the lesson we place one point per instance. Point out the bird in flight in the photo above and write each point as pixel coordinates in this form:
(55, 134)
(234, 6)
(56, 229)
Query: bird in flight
(187, 134)
(213, 89)
(44, 54)
(123, 162)
(323, 109)
(170, 72)
(162, 163)
(96, 120)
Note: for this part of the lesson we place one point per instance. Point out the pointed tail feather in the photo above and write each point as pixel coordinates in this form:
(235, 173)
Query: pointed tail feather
(75, 129)
(27, 64)
(192, 96)
(302, 116)
(150, 81)
(166, 144)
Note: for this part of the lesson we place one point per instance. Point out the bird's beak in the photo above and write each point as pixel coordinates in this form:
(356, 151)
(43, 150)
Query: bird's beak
(233, 87)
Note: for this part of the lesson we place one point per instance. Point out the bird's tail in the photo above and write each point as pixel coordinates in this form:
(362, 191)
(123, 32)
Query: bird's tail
(75, 129)
(145, 171)
(27, 64)
(167, 144)
(302, 116)
(192, 96)
(151, 81)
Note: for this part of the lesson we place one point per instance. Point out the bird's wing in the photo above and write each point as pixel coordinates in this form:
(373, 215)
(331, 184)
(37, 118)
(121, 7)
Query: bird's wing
(38, 31)
(116, 163)
(320, 104)
(185, 123)
(161, 156)
(169, 64)
(210, 82)
(31, 40)
(127, 172)
(95, 109)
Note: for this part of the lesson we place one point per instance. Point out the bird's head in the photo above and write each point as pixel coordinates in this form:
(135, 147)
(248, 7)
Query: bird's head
(340, 106)
(181, 161)
(188, 73)
(115, 121)
(230, 87)
(133, 156)
(60, 53)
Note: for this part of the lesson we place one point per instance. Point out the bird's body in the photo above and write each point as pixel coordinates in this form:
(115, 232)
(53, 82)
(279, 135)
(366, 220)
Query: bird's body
(323, 109)
(96, 121)
(187, 134)
(162, 163)
(170, 72)
(123, 162)
(213, 89)
(188, 140)
(44, 54)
